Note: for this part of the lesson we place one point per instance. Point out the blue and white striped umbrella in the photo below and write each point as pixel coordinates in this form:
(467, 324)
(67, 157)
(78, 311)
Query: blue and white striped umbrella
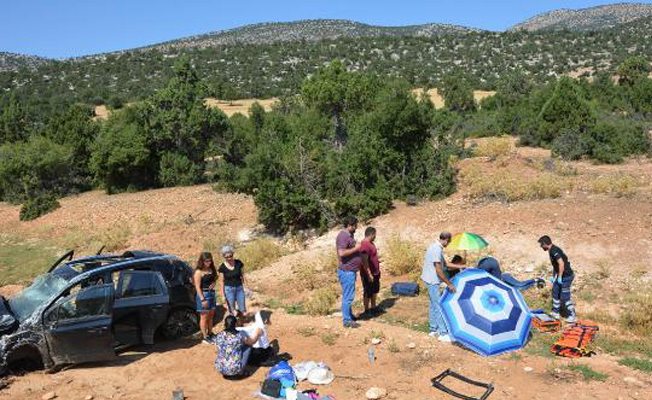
(485, 314)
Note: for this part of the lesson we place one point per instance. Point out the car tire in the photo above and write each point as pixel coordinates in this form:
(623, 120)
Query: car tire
(181, 322)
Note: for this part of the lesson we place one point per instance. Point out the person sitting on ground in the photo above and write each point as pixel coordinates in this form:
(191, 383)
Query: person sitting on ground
(234, 348)
(489, 264)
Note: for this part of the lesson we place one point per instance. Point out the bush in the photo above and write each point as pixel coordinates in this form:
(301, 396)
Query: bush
(618, 185)
(571, 146)
(321, 301)
(402, 256)
(494, 147)
(316, 273)
(637, 316)
(177, 170)
(37, 206)
(510, 187)
(35, 168)
(260, 253)
(121, 156)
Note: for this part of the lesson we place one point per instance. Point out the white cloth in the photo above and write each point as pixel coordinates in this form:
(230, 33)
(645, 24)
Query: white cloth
(250, 330)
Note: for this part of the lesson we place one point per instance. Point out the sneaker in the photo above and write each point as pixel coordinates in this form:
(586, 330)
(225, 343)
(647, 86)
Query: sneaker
(351, 324)
(555, 315)
(207, 340)
(434, 334)
(445, 339)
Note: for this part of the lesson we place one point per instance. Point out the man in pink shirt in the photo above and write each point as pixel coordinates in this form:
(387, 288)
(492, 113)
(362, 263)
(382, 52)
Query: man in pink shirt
(370, 271)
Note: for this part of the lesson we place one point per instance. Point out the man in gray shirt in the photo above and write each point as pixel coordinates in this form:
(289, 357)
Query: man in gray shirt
(434, 272)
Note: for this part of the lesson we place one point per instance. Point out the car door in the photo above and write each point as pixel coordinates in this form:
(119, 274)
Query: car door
(78, 326)
(143, 293)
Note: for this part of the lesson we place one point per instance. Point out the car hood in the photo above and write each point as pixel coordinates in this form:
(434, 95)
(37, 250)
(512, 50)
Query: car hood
(7, 320)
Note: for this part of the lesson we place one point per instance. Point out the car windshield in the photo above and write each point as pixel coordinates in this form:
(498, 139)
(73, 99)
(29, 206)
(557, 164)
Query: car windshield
(29, 299)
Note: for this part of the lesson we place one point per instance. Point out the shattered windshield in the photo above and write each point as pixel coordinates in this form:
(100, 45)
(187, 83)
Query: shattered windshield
(29, 299)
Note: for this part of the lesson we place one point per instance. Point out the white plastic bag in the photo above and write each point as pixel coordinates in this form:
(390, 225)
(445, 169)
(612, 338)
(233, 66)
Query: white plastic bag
(302, 369)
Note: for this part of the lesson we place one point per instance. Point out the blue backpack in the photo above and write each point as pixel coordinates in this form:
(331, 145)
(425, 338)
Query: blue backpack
(284, 373)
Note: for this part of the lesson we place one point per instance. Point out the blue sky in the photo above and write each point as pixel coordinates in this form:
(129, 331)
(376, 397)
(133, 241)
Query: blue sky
(65, 28)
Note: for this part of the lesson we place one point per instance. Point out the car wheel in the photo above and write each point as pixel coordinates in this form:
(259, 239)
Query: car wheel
(180, 323)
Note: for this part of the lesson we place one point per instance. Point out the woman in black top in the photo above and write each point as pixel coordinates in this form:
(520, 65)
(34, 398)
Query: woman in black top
(233, 281)
(204, 279)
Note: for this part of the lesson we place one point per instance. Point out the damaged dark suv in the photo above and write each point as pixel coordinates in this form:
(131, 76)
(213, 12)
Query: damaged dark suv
(87, 308)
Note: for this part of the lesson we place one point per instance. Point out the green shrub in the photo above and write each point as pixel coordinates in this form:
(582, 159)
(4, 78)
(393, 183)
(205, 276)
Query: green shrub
(121, 156)
(571, 146)
(37, 206)
(35, 168)
(178, 170)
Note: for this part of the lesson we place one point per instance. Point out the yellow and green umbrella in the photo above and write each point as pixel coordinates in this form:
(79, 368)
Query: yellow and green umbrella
(467, 241)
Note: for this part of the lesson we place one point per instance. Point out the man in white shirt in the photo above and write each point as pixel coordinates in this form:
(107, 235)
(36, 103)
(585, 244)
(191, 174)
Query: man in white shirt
(434, 272)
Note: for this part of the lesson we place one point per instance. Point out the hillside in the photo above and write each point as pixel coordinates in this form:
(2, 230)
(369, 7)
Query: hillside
(272, 70)
(586, 19)
(598, 230)
(13, 61)
(307, 30)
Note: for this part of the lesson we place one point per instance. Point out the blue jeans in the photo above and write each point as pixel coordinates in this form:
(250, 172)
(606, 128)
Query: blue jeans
(437, 323)
(235, 294)
(347, 280)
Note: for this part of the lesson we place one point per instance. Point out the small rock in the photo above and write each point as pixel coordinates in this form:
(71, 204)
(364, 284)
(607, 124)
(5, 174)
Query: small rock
(633, 381)
(376, 393)
(89, 397)
(375, 341)
(49, 396)
(528, 369)
(411, 345)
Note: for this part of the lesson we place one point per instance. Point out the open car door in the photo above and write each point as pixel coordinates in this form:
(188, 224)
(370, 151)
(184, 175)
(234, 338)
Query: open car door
(78, 326)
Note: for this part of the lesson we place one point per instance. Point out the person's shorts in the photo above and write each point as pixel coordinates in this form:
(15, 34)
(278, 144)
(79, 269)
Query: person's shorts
(369, 288)
(209, 295)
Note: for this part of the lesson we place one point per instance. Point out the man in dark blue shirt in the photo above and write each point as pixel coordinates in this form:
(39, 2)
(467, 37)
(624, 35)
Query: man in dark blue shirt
(488, 264)
(562, 279)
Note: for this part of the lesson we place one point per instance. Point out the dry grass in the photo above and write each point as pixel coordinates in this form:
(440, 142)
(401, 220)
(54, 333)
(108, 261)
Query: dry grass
(510, 187)
(637, 315)
(557, 167)
(392, 347)
(402, 256)
(321, 301)
(438, 100)
(115, 237)
(313, 275)
(261, 253)
(618, 185)
(238, 106)
(494, 147)
(329, 338)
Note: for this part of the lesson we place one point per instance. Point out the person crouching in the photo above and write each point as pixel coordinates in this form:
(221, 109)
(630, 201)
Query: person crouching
(234, 348)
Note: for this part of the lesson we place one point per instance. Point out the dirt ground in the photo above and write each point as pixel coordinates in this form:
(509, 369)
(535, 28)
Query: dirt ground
(594, 229)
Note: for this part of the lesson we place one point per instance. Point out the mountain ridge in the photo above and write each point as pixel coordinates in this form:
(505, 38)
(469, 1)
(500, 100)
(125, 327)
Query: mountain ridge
(586, 19)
